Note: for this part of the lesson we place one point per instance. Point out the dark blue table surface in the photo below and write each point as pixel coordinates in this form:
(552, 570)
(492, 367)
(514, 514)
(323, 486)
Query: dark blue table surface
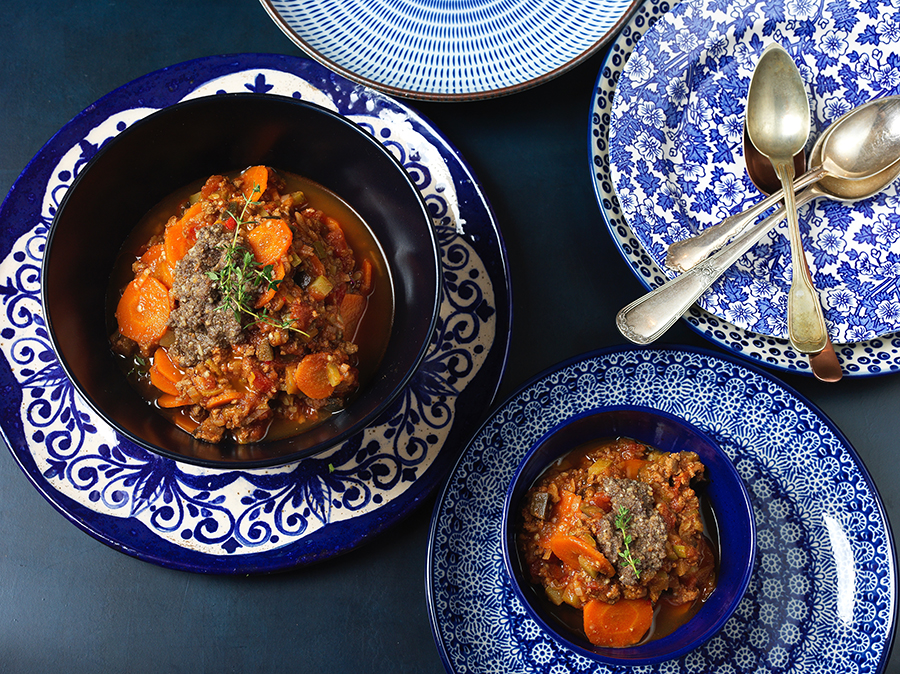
(71, 604)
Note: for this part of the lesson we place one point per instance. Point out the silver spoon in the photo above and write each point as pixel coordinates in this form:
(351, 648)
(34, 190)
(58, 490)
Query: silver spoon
(648, 317)
(864, 141)
(778, 124)
(825, 364)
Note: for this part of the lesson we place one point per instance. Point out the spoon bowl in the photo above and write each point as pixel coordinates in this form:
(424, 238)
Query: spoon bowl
(825, 364)
(845, 158)
(648, 317)
(778, 125)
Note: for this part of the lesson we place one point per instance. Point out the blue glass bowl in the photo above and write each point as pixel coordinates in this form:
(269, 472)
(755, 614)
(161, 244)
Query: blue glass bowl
(190, 141)
(726, 494)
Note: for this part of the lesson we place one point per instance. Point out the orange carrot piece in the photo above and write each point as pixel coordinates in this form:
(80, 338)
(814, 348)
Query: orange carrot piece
(570, 548)
(223, 398)
(161, 382)
(365, 284)
(181, 234)
(143, 310)
(569, 507)
(253, 177)
(617, 625)
(166, 367)
(352, 309)
(270, 240)
(175, 242)
(155, 260)
(277, 275)
(311, 376)
(185, 423)
(169, 401)
(632, 466)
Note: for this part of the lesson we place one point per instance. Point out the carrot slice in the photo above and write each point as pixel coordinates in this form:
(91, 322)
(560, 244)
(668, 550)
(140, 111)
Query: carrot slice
(155, 261)
(569, 507)
(253, 177)
(223, 399)
(617, 625)
(143, 310)
(166, 367)
(365, 284)
(352, 309)
(185, 423)
(311, 376)
(270, 240)
(570, 548)
(161, 382)
(632, 466)
(182, 234)
(169, 401)
(277, 275)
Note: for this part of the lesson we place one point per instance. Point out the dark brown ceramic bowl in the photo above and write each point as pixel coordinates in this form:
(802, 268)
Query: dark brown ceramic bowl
(188, 142)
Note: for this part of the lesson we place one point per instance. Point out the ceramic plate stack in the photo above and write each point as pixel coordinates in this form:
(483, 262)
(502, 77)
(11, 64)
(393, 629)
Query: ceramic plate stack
(260, 520)
(823, 593)
(461, 50)
(673, 97)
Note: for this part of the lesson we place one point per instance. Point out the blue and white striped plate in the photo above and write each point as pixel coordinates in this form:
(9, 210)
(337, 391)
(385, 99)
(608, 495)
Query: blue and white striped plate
(451, 50)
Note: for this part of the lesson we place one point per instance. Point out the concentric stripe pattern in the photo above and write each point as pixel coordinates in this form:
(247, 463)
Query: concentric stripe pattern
(447, 47)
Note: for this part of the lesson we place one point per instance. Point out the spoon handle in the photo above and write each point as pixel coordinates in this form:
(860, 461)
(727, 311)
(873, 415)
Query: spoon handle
(806, 324)
(682, 255)
(648, 317)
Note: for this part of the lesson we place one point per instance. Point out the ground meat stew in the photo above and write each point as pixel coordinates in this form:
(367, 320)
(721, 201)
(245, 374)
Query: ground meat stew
(615, 531)
(242, 310)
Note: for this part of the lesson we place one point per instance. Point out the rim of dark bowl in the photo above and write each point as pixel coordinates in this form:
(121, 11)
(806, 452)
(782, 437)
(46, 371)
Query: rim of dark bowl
(742, 529)
(334, 431)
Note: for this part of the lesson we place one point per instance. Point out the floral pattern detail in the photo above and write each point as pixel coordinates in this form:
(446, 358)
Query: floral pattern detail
(860, 357)
(846, 54)
(240, 521)
(822, 592)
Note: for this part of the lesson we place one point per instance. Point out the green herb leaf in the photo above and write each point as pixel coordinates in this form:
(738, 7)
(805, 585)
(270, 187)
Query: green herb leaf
(623, 521)
(242, 270)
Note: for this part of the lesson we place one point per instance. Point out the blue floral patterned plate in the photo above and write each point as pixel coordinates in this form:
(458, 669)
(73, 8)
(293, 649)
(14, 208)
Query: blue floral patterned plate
(823, 594)
(871, 357)
(675, 150)
(462, 50)
(246, 521)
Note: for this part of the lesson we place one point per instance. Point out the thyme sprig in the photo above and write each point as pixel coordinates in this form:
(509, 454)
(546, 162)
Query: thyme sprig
(242, 272)
(623, 522)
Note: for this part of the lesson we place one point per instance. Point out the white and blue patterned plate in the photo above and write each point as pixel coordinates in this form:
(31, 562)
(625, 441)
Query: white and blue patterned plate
(823, 594)
(245, 521)
(459, 50)
(871, 357)
(675, 150)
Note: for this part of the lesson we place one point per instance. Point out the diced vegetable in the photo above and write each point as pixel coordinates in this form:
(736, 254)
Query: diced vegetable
(320, 288)
(540, 504)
